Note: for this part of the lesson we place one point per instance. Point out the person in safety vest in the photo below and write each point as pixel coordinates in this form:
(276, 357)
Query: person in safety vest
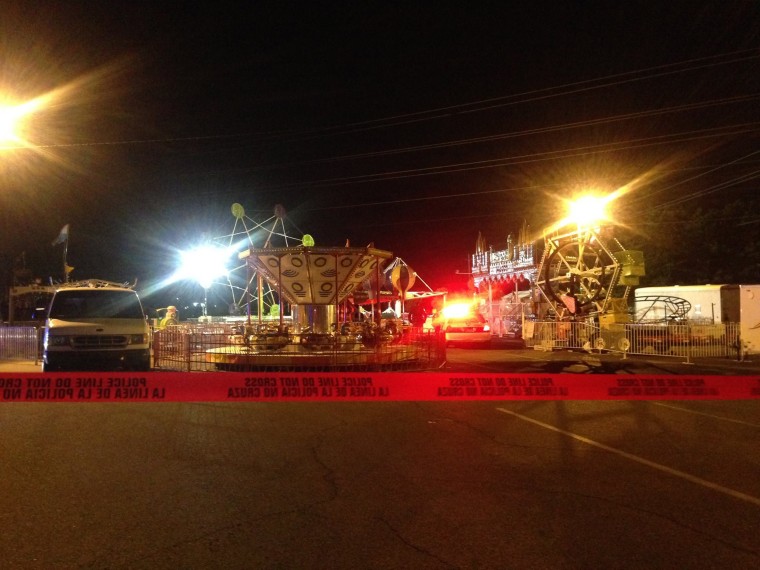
(170, 318)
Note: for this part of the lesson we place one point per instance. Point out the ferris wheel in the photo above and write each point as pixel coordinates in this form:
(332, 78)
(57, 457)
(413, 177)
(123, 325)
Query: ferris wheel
(579, 271)
(584, 267)
(244, 288)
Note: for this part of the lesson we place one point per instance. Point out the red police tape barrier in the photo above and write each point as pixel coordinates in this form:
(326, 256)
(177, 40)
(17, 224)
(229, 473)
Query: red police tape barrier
(389, 386)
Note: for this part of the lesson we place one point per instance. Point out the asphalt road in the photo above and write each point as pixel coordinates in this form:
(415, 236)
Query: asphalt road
(381, 485)
(573, 484)
(511, 356)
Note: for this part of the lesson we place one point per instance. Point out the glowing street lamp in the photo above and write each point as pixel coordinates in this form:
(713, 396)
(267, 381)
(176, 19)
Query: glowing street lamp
(204, 264)
(9, 122)
(13, 119)
(585, 213)
(587, 210)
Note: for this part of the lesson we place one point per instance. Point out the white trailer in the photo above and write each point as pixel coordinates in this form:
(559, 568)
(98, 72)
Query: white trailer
(749, 303)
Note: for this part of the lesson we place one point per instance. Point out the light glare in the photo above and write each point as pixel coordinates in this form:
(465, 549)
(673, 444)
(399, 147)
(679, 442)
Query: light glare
(204, 264)
(587, 210)
(12, 119)
(457, 310)
(9, 123)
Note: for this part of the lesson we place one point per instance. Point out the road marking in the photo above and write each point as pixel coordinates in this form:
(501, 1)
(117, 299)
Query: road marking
(665, 469)
(722, 418)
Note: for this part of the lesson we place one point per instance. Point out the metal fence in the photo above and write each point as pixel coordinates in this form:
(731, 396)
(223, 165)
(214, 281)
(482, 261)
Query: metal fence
(505, 317)
(676, 340)
(20, 343)
(209, 347)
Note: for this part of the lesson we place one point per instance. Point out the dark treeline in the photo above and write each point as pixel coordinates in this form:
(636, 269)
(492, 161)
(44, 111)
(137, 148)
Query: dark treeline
(714, 244)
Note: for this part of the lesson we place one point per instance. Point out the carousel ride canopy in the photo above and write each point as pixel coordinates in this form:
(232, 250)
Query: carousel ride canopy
(316, 275)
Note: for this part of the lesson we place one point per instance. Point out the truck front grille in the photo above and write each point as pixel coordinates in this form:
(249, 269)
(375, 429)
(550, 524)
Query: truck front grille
(100, 341)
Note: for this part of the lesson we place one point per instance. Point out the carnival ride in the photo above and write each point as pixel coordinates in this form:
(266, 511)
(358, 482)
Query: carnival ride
(661, 309)
(582, 271)
(243, 287)
(307, 298)
(581, 279)
(576, 273)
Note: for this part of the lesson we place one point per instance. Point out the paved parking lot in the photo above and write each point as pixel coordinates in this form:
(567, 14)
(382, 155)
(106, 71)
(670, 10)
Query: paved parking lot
(511, 356)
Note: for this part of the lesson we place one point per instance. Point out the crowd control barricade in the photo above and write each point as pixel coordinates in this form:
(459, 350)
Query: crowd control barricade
(721, 340)
(505, 318)
(687, 341)
(20, 343)
(550, 335)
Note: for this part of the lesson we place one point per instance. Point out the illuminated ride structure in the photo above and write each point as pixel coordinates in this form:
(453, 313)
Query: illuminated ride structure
(586, 272)
(247, 289)
(244, 286)
(505, 281)
(302, 305)
(575, 273)
(318, 284)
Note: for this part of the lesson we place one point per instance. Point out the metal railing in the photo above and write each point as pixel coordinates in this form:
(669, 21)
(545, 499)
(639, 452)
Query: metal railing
(676, 340)
(213, 346)
(20, 343)
(505, 317)
(210, 347)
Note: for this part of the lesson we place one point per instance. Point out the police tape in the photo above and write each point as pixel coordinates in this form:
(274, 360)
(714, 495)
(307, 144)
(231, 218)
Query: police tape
(385, 386)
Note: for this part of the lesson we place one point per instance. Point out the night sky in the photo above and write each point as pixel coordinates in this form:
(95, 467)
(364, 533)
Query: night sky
(411, 127)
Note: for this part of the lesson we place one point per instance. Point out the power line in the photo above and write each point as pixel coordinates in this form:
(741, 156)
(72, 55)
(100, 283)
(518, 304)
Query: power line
(651, 193)
(699, 134)
(727, 184)
(509, 135)
(446, 112)
(538, 94)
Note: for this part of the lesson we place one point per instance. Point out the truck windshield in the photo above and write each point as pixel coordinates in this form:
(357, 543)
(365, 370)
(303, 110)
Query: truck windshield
(96, 304)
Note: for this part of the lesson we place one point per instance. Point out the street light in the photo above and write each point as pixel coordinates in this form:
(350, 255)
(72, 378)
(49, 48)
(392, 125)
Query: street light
(587, 210)
(13, 119)
(203, 264)
(9, 121)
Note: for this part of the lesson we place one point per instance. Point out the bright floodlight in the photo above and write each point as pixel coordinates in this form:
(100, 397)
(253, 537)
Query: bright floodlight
(9, 119)
(12, 118)
(587, 210)
(204, 264)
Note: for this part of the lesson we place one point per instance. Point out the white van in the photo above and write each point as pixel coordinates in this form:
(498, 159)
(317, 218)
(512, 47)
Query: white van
(96, 325)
